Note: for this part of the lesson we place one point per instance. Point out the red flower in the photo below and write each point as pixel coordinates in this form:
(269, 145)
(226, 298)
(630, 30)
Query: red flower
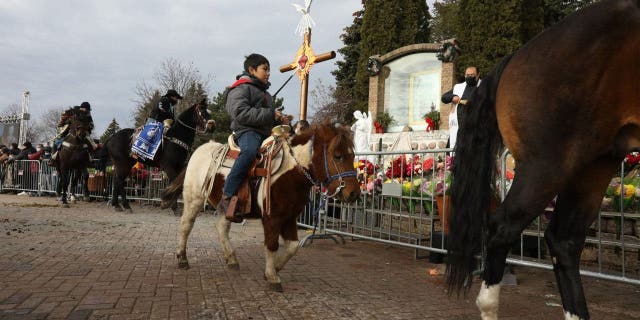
(428, 164)
(632, 159)
(397, 167)
(366, 166)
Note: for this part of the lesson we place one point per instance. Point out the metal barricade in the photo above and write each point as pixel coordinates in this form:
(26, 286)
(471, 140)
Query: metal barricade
(37, 177)
(398, 206)
(21, 175)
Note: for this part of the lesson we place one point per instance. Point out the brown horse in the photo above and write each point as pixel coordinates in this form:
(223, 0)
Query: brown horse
(73, 157)
(322, 155)
(559, 104)
(171, 156)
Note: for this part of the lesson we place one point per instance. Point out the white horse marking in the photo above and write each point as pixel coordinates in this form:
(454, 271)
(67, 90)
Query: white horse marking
(488, 301)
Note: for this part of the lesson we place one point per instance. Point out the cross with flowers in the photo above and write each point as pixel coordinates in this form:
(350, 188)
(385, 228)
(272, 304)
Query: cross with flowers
(305, 57)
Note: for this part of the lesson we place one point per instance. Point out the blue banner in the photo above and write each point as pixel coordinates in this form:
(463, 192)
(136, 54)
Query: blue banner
(149, 140)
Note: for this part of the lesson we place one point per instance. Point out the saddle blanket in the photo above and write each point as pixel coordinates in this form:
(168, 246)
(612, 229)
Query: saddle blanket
(148, 142)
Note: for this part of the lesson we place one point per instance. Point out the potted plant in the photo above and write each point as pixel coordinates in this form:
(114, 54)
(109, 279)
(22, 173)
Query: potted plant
(432, 118)
(383, 121)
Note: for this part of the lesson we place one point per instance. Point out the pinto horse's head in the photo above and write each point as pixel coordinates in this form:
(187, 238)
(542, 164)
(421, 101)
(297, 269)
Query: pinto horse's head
(333, 156)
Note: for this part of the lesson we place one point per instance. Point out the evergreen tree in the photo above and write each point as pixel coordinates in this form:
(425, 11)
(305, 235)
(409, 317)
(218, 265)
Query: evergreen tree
(112, 128)
(221, 117)
(386, 26)
(489, 31)
(445, 20)
(556, 10)
(345, 74)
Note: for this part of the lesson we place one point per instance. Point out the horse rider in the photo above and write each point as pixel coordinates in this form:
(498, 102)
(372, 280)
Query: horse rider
(165, 109)
(159, 121)
(83, 110)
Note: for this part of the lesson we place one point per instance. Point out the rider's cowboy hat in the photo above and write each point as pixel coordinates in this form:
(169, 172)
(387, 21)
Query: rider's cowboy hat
(173, 93)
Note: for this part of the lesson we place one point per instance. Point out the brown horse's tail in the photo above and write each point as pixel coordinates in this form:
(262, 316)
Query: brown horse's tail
(173, 191)
(476, 150)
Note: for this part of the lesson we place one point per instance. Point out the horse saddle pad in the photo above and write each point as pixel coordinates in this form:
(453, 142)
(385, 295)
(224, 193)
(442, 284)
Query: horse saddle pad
(270, 148)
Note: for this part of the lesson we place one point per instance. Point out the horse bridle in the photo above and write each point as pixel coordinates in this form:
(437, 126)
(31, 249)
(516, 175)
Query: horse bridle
(199, 119)
(330, 178)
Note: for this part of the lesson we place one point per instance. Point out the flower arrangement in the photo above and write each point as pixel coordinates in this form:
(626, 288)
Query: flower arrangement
(623, 194)
(383, 121)
(432, 118)
(441, 182)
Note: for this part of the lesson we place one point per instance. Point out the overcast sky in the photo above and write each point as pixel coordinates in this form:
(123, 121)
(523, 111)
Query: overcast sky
(68, 51)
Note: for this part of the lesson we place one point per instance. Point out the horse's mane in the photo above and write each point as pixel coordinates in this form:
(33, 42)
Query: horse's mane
(335, 135)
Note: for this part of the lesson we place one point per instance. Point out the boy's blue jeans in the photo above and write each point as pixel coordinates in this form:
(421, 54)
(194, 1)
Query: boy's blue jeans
(249, 143)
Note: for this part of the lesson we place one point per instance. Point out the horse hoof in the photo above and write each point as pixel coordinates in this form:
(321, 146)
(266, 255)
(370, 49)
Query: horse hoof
(276, 287)
(183, 264)
(234, 266)
(117, 209)
(129, 210)
(66, 205)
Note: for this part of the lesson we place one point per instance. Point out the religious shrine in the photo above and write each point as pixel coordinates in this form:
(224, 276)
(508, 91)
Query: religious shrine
(407, 83)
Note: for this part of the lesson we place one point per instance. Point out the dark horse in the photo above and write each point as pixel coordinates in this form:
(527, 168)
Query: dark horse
(171, 156)
(73, 157)
(556, 105)
(322, 155)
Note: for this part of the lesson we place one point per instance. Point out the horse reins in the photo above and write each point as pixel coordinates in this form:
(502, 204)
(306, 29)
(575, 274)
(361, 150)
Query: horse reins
(179, 142)
(200, 120)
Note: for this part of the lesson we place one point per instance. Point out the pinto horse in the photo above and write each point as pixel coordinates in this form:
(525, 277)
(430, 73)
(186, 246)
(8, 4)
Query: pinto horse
(171, 156)
(322, 155)
(557, 104)
(73, 158)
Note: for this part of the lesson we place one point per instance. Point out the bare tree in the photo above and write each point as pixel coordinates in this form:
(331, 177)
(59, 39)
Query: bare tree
(329, 103)
(12, 110)
(184, 78)
(47, 124)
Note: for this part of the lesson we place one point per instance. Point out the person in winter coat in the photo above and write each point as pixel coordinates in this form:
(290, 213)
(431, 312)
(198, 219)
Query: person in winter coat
(252, 117)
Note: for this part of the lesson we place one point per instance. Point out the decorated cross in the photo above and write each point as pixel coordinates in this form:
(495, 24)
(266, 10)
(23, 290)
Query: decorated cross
(305, 58)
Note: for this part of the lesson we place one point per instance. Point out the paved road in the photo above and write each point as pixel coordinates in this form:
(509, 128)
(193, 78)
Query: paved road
(88, 262)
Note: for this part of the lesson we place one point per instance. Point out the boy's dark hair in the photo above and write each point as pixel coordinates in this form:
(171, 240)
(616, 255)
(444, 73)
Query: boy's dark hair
(254, 60)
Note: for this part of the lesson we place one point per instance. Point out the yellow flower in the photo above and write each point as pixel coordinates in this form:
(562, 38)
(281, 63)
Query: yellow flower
(629, 190)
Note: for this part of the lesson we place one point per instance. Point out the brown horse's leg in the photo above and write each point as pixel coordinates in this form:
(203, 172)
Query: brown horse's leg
(64, 185)
(290, 247)
(172, 173)
(576, 208)
(530, 193)
(223, 226)
(272, 230)
(121, 173)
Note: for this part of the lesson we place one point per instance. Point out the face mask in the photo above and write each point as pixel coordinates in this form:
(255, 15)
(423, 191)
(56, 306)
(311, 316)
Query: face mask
(471, 81)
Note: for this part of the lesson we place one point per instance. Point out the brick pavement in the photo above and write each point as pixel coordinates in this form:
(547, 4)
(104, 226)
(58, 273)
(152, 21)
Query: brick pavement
(89, 262)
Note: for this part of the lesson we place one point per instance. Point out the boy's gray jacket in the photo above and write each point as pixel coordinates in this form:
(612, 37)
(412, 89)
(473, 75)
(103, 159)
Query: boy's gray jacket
(250, 108)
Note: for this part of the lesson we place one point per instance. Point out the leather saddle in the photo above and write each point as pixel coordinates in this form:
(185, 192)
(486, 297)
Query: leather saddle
(268, 162)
